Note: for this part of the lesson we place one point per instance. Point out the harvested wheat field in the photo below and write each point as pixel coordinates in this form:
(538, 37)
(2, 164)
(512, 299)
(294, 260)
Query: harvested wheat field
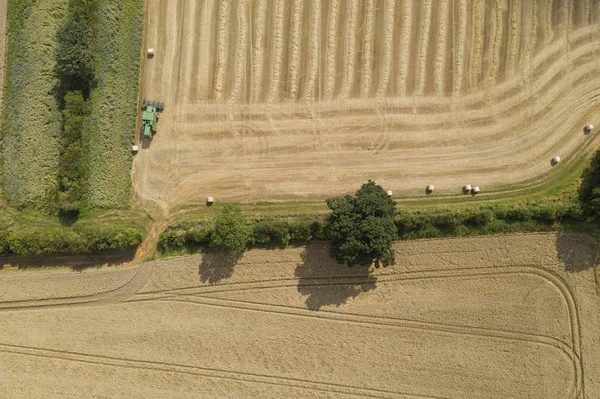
(280, 100)
(490, 317)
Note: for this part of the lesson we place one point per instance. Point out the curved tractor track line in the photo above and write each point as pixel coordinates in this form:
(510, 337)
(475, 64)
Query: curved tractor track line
(120, 294)
(139, 281)
(208, 372)
(205, 291)
(573, 351)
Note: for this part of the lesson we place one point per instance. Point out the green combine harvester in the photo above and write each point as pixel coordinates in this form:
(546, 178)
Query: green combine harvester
(150, 116)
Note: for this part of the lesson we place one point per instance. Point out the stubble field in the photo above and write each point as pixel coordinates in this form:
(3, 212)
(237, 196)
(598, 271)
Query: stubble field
(281, 100)
(489, 317)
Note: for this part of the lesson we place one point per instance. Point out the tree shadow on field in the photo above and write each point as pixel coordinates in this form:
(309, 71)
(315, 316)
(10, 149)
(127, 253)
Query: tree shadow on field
(577, 251)
(217, 266)
(325, 282)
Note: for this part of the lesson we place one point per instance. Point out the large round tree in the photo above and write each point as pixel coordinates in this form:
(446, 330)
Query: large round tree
(232, 230)
(362, 228)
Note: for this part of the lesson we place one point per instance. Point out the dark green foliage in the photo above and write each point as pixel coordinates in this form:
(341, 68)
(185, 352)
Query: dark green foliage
(71, 172)
(232, 231)
(497, 219)
(74, 57)
(101, 238)
(271, 232)
(192, 237)
(68, 240)
(74, 52)
(188, 238)
(361, 227)
(589, 191)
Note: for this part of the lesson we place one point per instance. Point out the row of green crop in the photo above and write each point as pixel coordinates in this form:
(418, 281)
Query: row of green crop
(190, 237)
(114, 102)
(31, 120)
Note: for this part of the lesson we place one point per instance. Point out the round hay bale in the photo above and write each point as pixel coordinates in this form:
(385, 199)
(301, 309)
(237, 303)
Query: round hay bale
(467, 187)
(134, 149)
(589, 128)
(555, 160)
(475, 190)
(389, 193)
(209, 201)
(430, 187)
(150, 52)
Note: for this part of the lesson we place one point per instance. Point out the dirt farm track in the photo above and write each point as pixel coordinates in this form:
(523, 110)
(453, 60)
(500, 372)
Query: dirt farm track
(294, 99)
(490, 317)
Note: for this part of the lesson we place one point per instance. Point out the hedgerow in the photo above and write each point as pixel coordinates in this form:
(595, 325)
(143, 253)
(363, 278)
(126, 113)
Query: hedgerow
(68, 240)
(190, 237)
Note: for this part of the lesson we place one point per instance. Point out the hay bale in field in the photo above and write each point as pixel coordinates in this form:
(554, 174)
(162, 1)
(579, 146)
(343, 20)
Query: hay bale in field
(555, 160)
(588, 128)
(150, 52)
(210, 201)
(134, 149)
(475, 190)
(389, 193)
(429, 189)
(467, 188)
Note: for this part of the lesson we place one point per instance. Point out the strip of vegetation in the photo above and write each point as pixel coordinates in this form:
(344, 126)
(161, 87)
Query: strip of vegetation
(31, 120)
(69, 117)
(74, 68)
(114, 102)
(195, 236)
(32, 233)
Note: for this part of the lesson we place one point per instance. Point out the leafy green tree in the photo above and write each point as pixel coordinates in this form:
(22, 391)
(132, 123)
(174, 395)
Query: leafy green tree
(232, 231)
(362, 227)
(589, 191)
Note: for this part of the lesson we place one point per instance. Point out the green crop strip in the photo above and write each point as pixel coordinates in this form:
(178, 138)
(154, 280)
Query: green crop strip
(114, 102)
(31, 121)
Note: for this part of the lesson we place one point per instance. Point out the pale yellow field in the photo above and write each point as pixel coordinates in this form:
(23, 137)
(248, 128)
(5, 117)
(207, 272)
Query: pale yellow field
(304, 99)
(490, 317)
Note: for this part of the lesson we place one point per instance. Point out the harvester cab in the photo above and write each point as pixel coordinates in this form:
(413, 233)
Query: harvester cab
(150, 116)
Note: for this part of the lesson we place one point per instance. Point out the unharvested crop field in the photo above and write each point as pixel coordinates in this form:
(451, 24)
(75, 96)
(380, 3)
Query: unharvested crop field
(31, 121)
(280, 100)
(490, 317)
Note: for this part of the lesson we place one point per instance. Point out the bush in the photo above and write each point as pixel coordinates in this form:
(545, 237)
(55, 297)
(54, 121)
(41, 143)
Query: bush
(362, 227)
(478, 218)
(232, 231)
(271, 232)
(589, 191)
